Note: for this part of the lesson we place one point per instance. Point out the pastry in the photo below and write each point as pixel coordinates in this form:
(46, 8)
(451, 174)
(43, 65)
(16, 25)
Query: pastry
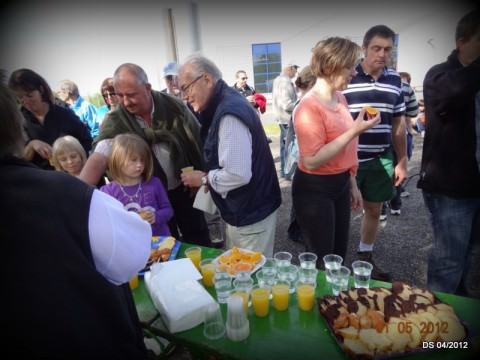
(380, 321)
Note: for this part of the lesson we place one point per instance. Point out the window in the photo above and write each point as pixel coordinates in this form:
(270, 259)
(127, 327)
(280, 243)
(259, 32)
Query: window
(267, 65)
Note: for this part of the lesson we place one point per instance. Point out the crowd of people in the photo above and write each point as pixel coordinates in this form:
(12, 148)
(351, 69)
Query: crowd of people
(75, 236)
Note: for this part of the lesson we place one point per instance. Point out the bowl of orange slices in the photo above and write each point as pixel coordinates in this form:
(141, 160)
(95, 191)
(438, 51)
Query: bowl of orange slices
(236, 259)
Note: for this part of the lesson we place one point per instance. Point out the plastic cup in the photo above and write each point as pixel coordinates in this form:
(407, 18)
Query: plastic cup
(308, 275)
(207, 268)
(223, 286)
(186, 169)
(339, 279)
(308, 260)
(238, 327)
(194, 253)
(280, 295)
(245, 296)
(331, 261)
(260, 300)
(133, 282)
(289, 273)
(270, 267)
(282, 259)
(213, 326)
(362, 271)
(265, 279)
(305, 295)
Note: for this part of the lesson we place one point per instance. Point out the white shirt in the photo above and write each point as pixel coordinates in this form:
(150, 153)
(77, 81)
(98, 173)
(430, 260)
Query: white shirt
(120, 240)
(234, 156)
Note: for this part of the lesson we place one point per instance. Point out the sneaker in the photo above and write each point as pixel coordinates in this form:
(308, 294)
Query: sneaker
(377, 273)
(404, 194)
(383, 213)
(395, 211)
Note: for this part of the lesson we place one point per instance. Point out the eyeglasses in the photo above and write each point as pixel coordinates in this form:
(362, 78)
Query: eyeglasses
(107, 94)
(186, 89)
(244, 78)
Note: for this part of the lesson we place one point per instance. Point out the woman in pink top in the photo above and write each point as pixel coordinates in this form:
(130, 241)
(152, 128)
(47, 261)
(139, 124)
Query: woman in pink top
(324, 187)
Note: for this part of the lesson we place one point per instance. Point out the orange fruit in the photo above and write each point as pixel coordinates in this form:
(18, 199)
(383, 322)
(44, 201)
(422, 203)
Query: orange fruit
(256, 257)
(224, 259)
(371, 111)
(242, 266)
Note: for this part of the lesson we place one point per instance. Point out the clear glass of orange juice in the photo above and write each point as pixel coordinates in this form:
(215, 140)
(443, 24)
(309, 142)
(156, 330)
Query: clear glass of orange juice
(133, 282)
(280, 295)
(305, 295)
(207, 268)
(194, 253)
(260, 300)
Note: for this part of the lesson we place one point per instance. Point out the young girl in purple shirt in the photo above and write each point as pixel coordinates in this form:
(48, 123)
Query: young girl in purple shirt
(131, 168)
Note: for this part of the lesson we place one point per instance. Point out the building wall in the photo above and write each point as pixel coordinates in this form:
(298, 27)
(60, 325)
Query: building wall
(426, 33)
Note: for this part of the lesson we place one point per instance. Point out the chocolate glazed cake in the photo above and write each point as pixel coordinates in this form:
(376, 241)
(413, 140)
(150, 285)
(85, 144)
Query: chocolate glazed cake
(380, 322)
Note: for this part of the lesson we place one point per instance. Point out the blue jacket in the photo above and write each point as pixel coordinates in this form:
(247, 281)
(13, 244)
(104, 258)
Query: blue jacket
(87, 113)
(259, 198)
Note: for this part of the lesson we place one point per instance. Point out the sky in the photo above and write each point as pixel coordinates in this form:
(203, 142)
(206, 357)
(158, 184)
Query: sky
(85, 41)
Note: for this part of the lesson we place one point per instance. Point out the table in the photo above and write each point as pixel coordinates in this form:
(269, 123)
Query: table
(291, 334)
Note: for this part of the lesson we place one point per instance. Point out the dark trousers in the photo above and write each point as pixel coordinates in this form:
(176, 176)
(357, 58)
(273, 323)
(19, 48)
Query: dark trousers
(190, 221)
(294, 232)
(322, 207)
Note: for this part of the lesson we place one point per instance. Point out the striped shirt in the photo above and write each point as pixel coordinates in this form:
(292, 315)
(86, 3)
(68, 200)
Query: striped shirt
(384, 94)
(411, 104)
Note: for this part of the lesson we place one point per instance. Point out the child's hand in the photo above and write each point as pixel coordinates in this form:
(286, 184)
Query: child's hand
(147, 215)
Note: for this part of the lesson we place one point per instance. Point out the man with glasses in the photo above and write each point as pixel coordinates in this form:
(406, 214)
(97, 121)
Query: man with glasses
(243, 88)
(257, 100)
(172, 132)
(240, 172)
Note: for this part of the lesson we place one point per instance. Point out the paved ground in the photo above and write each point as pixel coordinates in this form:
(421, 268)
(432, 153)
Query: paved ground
(403, 241)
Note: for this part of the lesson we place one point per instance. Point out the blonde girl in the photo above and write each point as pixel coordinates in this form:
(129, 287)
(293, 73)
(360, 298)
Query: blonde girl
(68, 155)
(131, 168)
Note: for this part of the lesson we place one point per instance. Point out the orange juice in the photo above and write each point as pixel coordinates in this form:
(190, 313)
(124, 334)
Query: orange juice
(133, 282)
(194, 254)
(187, 169)
(208, 272)
(280, 294)
(305, 296)
(244, 295)
(260, 301)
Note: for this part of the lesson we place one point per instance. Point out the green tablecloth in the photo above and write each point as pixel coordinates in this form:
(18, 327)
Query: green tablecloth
(291, 334)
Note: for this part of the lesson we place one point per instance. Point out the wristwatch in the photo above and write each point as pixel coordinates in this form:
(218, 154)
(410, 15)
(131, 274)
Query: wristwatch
(205, 180)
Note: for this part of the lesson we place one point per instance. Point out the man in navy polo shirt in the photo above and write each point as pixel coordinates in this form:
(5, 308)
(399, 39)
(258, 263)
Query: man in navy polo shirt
(380, 87)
